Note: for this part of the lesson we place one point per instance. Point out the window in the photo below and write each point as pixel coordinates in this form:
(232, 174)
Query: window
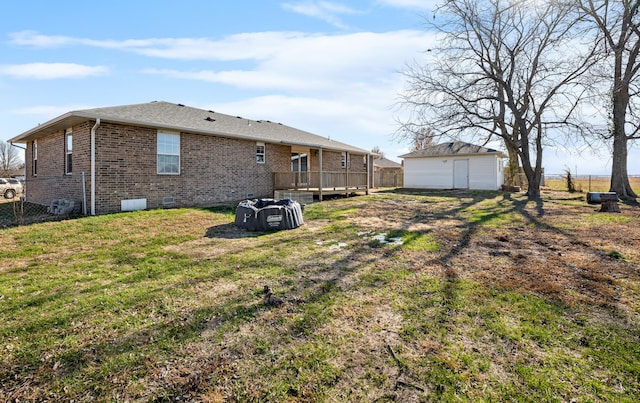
(168, 154)
(345, 160)
(260, 153)
(299, 162)
(68, 152)
(35, 158)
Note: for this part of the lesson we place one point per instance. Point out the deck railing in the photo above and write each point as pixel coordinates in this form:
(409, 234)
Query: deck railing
(311, 180)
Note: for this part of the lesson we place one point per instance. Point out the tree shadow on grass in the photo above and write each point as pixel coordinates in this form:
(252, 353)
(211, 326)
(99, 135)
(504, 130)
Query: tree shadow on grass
(539, 253)
(542, 257)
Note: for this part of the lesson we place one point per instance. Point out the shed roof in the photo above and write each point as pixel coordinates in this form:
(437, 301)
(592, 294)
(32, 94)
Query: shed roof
(451, 149)
(170, 116)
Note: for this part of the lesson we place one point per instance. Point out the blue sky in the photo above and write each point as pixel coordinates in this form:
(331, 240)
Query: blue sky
(328, 67)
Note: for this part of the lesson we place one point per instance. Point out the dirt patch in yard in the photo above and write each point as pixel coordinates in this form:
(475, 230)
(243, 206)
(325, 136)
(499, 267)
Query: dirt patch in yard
(531, 246)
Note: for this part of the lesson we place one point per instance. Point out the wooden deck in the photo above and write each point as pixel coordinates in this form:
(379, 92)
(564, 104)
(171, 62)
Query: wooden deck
(322, 183)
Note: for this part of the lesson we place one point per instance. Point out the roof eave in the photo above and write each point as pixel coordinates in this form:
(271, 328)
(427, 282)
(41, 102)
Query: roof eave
(325, 147)
(498, 153)
(50, 126)
(64, 121)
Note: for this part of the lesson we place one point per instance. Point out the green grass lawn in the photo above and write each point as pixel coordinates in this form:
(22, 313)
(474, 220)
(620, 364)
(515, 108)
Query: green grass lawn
(485, 297)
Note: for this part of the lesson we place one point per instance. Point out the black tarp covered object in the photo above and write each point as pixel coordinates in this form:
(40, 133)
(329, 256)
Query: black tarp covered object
(268, 214)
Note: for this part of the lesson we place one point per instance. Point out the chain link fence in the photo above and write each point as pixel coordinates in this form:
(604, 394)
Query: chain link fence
(45, 199)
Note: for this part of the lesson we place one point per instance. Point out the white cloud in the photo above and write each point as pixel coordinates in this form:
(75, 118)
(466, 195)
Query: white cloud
(322, 64)
(415, 4)
(289, 47)
(32, 38)
(51, 71)
(245, 46)
(250, 79)
(326, 11)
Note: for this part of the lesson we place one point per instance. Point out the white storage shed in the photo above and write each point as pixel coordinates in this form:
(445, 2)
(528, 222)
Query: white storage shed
(455, 165)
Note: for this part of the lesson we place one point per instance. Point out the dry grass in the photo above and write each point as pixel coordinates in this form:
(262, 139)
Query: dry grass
(490, 297)
(590, 184)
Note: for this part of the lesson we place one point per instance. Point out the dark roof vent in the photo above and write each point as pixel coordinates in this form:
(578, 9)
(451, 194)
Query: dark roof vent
(211, 111)
(180, 105)
(209, 119)
(239, 117)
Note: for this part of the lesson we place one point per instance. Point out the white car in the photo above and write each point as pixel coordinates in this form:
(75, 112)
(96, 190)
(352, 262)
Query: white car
(10, 187)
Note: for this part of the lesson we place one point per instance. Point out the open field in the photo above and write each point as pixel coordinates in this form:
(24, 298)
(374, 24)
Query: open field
(465, 296)
(589, 183)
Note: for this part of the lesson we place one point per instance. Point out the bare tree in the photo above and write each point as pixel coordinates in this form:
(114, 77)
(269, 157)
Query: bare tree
(504, 69)
(618, 23)
(422, 139)
(377, 150)
(9, 158)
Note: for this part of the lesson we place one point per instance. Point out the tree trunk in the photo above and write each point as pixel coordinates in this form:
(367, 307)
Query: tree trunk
(619, 177)
(533, 190)
(534, 179)
(513, 168)
(533, 174)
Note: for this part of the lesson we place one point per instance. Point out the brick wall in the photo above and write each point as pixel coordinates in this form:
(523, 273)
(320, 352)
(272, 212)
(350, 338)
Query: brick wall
(212, 169)
(52, 182)
(332, 162)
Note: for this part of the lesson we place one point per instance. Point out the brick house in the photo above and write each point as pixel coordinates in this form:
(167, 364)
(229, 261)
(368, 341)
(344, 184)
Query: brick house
(160, 154)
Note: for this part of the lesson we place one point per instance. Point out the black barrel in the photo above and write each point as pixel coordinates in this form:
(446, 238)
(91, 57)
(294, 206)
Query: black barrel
(268, 214)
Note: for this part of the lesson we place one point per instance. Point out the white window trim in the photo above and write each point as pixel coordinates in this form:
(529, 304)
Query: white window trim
(34, 160)
(166, 133)
(68, 133)
(345, 160)
(263, 154)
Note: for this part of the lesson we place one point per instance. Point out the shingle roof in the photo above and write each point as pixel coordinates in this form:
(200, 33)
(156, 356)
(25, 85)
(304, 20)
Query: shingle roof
(165, 115)
(385, 163)
(453, 148)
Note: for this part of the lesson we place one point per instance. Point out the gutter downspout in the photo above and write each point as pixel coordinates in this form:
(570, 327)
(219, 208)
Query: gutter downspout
(93, 166)
(13, 145)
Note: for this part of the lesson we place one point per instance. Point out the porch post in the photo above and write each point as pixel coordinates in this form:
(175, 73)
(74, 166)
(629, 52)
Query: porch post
(321, 175)
(347, 161)
(369, 172)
